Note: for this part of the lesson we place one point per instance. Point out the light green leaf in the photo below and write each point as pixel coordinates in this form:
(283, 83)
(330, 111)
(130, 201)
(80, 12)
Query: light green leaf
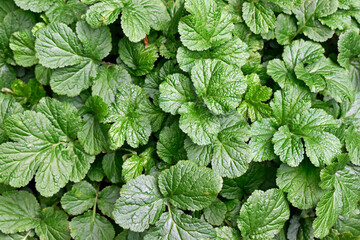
(288, 146)
(138, 16)
(262, 132)
(231, 155)
(178, 225)
(170, 146)
(19, 211)
(352, 139)
(285, 29)
(259, 17)
(234, 52)
(79, 199)
(103, 13)
(66, 11)
(107, 80)
(200, 154)
(107, 199)
(215, 213)
(112, 165)
(227, 233)
(34, 5)
(135, 165)
(126, 113)
(220, 85)
(23, 46)
(139, 205)
(287, 4)
(91, 227)
(8, 107)
(72, 80)
(96, 42)
(252, 105)
(198, 123)
(264, 214)
(307, 16)
(207, 26)
(287, 103)
(343, 182)
(175, 91)
(194, 187)
(138, 58)
(53, 225)
(301, 183)
(57, 46)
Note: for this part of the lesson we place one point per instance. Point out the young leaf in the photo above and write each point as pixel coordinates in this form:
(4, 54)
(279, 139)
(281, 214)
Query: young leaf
(261, 209)
(139, 205)
(23, 46)
(194, 188)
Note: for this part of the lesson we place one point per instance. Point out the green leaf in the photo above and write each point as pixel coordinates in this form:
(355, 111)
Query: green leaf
(34, 6)
(200, 124)
(288, 146)
(343, 182)
(349, 49)
(137, 57)
(57, 46)
(300, 228)
(43, 74)
(285, 29)
(79, 199)
(8, 107)
(231, 155)
(287, 4)
(93, 134)
(175, 91)
(215, 213)
(287, 103)
(301, 184)
(23, 46)
(103, 13)
(227, 233)
(280, 73)
(207, 26)
(91, 226)
(96, 42)
(252, 105)
(264, 214)
(107, 199)
(307, 16)
(338, 20)
(200, 154)
(139, 205)
(234, 52)
(53, 225)
(72, 80)
(107, 81)
(112, 165)
(178, 225)
(259, 17)
(262, 132)
(66, 11)
(42, 146)
(220, 85)
(348, 225)
(135, 165)
(194, 187)
(126, 113)
(352, 139)
(19, 211)
(170, 146)
(138, 16)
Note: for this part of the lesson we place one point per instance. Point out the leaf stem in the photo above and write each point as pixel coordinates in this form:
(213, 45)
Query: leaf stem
(26, 236)
(95, 202)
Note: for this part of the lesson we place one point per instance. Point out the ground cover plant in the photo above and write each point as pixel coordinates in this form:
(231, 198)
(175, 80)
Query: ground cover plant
(179, 119)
